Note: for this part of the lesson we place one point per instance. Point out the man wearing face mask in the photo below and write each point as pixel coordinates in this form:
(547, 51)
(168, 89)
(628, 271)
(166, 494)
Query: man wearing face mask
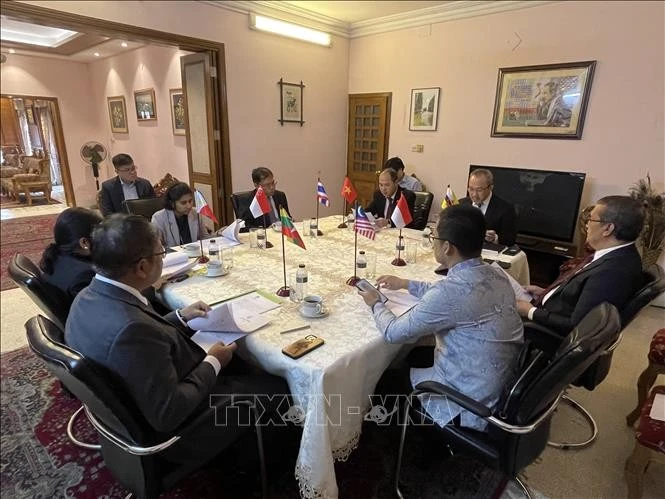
(127, 185)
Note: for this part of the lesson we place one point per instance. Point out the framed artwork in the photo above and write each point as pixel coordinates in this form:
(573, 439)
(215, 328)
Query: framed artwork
(118, 114)
(547, 101)
(424, 109)
(290, 102)
(145, 104)
(177, 111)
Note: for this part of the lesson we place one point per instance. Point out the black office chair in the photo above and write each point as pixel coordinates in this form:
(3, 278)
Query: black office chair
(654, 279)
(421, 209)
(144, 207)
(519, 427)
(129, 446)
(52, 301)
(241, 202)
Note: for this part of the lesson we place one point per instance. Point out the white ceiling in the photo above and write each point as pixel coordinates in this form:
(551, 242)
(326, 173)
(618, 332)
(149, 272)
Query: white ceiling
(352, 12)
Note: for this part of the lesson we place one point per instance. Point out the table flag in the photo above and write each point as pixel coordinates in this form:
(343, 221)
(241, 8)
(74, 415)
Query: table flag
(401, 216)
(202, 206)
(260, 204)
(289, 230)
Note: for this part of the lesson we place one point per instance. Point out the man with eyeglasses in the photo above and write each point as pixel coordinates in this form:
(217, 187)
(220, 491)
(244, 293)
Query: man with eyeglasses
(169, 377)
(263, 177)
(612, 274)
(471, 314)
(126, 185)
(499, 214)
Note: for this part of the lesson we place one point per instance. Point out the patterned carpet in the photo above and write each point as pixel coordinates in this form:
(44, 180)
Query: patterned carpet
(27, 235)
(38, 461)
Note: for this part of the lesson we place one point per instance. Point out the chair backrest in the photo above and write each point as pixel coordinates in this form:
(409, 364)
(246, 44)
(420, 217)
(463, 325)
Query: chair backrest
(51, 300)
(241, 201)
(144, 207)
(654, 279)
(421, 209)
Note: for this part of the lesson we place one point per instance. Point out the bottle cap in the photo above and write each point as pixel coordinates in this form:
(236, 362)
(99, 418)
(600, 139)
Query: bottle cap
(362, 252)
(212, 241)
(302, 265)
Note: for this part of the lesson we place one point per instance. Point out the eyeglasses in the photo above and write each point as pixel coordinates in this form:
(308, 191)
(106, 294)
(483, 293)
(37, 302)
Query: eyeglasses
(272, 183)
(599, 221)
(126, 170)
(477, 189)
(430, 237)
(161, 253)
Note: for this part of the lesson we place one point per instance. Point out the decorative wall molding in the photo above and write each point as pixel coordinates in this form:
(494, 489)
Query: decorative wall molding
(430, 15)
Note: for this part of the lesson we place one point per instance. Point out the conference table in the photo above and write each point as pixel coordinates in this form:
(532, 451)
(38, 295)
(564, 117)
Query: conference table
(331, 386)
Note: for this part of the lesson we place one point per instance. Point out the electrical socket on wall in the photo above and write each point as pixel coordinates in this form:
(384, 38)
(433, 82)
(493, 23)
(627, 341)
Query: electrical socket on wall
(417, 148)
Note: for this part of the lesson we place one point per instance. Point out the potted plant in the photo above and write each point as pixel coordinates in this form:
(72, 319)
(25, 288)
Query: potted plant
(652, 238)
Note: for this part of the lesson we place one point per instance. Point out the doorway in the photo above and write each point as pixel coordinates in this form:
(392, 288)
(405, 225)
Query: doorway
(219, 183)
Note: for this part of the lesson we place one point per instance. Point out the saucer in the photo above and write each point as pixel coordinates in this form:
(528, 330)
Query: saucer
(324, 313)
(222, 273)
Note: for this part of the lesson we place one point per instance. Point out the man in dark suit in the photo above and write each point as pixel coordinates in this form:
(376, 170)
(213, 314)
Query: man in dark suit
(499, 214)
(127, 185)
(264, 178)
(170, 378)
(385, 199)
(612, 274)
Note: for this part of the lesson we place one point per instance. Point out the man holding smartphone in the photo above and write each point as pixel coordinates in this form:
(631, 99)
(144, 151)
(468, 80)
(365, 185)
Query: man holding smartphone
(473, 317)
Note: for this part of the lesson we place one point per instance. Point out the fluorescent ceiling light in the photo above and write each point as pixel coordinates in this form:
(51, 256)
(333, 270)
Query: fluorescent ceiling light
(33, 34)
(290, 30)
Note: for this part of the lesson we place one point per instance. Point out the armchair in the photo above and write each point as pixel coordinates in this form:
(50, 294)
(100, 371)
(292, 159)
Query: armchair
(37, 180)
(421, 209)
(241, 202)
(519, 427)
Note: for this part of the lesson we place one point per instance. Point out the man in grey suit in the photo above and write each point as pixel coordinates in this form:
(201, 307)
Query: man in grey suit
(170, 378)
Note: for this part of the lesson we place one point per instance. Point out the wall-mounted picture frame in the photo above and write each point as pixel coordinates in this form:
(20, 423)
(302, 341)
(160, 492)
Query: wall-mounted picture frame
(118, 114)
(547, 101)
(290, 102)
(145, 104)
(424, 115)
(177, 100)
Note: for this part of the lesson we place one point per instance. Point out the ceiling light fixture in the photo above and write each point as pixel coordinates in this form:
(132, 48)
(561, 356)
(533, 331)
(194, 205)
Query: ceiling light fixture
(289, 30)
(124, 45)
(96, 54)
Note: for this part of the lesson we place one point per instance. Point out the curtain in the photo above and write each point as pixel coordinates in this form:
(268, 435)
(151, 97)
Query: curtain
(23, 125)
(45, 120)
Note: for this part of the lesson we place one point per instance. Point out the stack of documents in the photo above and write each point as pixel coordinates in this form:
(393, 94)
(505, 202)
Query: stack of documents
(176, 264)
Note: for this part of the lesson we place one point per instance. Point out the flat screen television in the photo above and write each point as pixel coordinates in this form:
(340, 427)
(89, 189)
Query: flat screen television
(547, 202)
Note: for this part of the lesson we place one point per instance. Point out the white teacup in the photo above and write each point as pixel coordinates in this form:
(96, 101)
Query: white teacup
(215, 268)
(312, 305)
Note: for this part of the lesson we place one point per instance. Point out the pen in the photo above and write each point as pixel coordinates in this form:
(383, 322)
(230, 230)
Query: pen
(306, 326)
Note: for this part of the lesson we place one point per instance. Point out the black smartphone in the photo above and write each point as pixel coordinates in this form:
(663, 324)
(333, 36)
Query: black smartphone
(364, 285)
(512, 251)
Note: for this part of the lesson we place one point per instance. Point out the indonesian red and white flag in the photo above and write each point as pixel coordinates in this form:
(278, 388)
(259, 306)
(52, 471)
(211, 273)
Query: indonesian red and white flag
(260, 204)
(202, 207)
(401, 215)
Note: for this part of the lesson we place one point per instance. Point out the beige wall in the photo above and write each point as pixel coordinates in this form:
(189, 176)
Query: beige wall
(254, 63)
(623, 132)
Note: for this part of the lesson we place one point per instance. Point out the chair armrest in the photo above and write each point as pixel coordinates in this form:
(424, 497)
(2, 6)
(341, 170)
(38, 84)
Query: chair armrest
(433, 387)
(543, 338)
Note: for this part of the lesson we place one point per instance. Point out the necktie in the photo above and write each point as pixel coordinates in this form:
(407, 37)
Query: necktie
(564, 278)
(388, 211)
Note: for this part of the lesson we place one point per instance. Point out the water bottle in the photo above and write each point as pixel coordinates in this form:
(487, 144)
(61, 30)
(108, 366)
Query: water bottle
(301, 282)
(213, 251)
(361, 265)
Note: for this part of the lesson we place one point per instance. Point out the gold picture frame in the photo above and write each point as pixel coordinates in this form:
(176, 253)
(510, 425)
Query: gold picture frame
(177, 104)
(118, 114)
(290, 102)
(547, 101)
(144, 102)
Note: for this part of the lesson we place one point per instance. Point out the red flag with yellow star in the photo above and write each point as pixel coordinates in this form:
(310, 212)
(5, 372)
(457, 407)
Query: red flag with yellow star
(348, 191)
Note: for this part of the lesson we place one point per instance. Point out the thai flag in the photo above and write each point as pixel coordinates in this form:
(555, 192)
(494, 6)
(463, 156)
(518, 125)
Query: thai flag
(321, 194)
(363, 225)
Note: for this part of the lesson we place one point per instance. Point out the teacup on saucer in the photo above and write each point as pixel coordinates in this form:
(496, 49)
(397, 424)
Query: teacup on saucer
(312, 306)
(192, 249)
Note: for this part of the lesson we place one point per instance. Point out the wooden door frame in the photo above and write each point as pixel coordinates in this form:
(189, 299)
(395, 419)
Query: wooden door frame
(65, 20)
(59, 144)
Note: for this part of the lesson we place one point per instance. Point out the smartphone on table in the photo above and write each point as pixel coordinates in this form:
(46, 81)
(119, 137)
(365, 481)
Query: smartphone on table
(364, 285)
(304, 345)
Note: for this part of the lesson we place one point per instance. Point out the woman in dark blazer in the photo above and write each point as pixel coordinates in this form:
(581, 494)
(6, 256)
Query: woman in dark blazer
(65, 262)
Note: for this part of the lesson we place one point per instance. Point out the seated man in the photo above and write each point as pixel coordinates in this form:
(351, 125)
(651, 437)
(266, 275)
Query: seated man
(404, 180)
(385, 199)
(612, 274)
(263, 177)
(127, 185)
(472, 315)
(169, 377)
(499, 214)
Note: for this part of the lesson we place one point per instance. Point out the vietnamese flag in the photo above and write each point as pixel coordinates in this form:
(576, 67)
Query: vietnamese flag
(401, 215)
(202, 206)
(348, 191)
(260, 204)
(289, 230)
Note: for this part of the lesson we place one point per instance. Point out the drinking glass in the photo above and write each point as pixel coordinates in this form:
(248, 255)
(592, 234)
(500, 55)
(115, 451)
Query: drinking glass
(411, 251)
(261, 239)
(253, 239)
(313, 227)
(371, 265)
(227, 257)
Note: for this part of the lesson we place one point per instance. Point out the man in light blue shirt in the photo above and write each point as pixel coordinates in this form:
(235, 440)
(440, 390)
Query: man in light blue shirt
(472, 315)
(405, 181)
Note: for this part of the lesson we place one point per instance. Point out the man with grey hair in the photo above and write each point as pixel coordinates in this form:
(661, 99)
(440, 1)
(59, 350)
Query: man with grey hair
(499, 214)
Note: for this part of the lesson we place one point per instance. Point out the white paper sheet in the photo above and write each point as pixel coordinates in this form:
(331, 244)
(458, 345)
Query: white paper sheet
(520, 293)
(658, 407)
(399, 301)
(229, 317)
(231, 232)
(206, 339)
(176, 264)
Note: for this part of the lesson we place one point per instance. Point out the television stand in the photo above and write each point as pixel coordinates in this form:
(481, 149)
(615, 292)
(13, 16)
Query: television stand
(545, 256)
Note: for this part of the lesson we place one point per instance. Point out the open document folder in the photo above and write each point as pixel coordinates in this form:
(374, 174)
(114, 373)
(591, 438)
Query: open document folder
(176, 264)
(232, 320)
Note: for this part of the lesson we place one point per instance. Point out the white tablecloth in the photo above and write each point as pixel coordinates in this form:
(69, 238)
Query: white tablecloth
(332, 384)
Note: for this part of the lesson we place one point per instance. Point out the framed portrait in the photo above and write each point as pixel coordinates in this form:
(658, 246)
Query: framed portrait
(118, 114)
(290, 102)
(145, 104)
(177, 101)
(424, 109)
(547, 101)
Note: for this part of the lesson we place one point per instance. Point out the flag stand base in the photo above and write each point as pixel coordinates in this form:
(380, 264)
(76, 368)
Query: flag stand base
(351, 281)
(318, 232)
(203, 259)
(269, 245)
(398, 262)
(284, 291)
(342, 226)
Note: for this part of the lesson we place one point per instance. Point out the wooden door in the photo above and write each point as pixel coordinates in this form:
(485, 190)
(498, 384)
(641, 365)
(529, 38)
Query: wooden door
(369, 130)
(203, 130)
